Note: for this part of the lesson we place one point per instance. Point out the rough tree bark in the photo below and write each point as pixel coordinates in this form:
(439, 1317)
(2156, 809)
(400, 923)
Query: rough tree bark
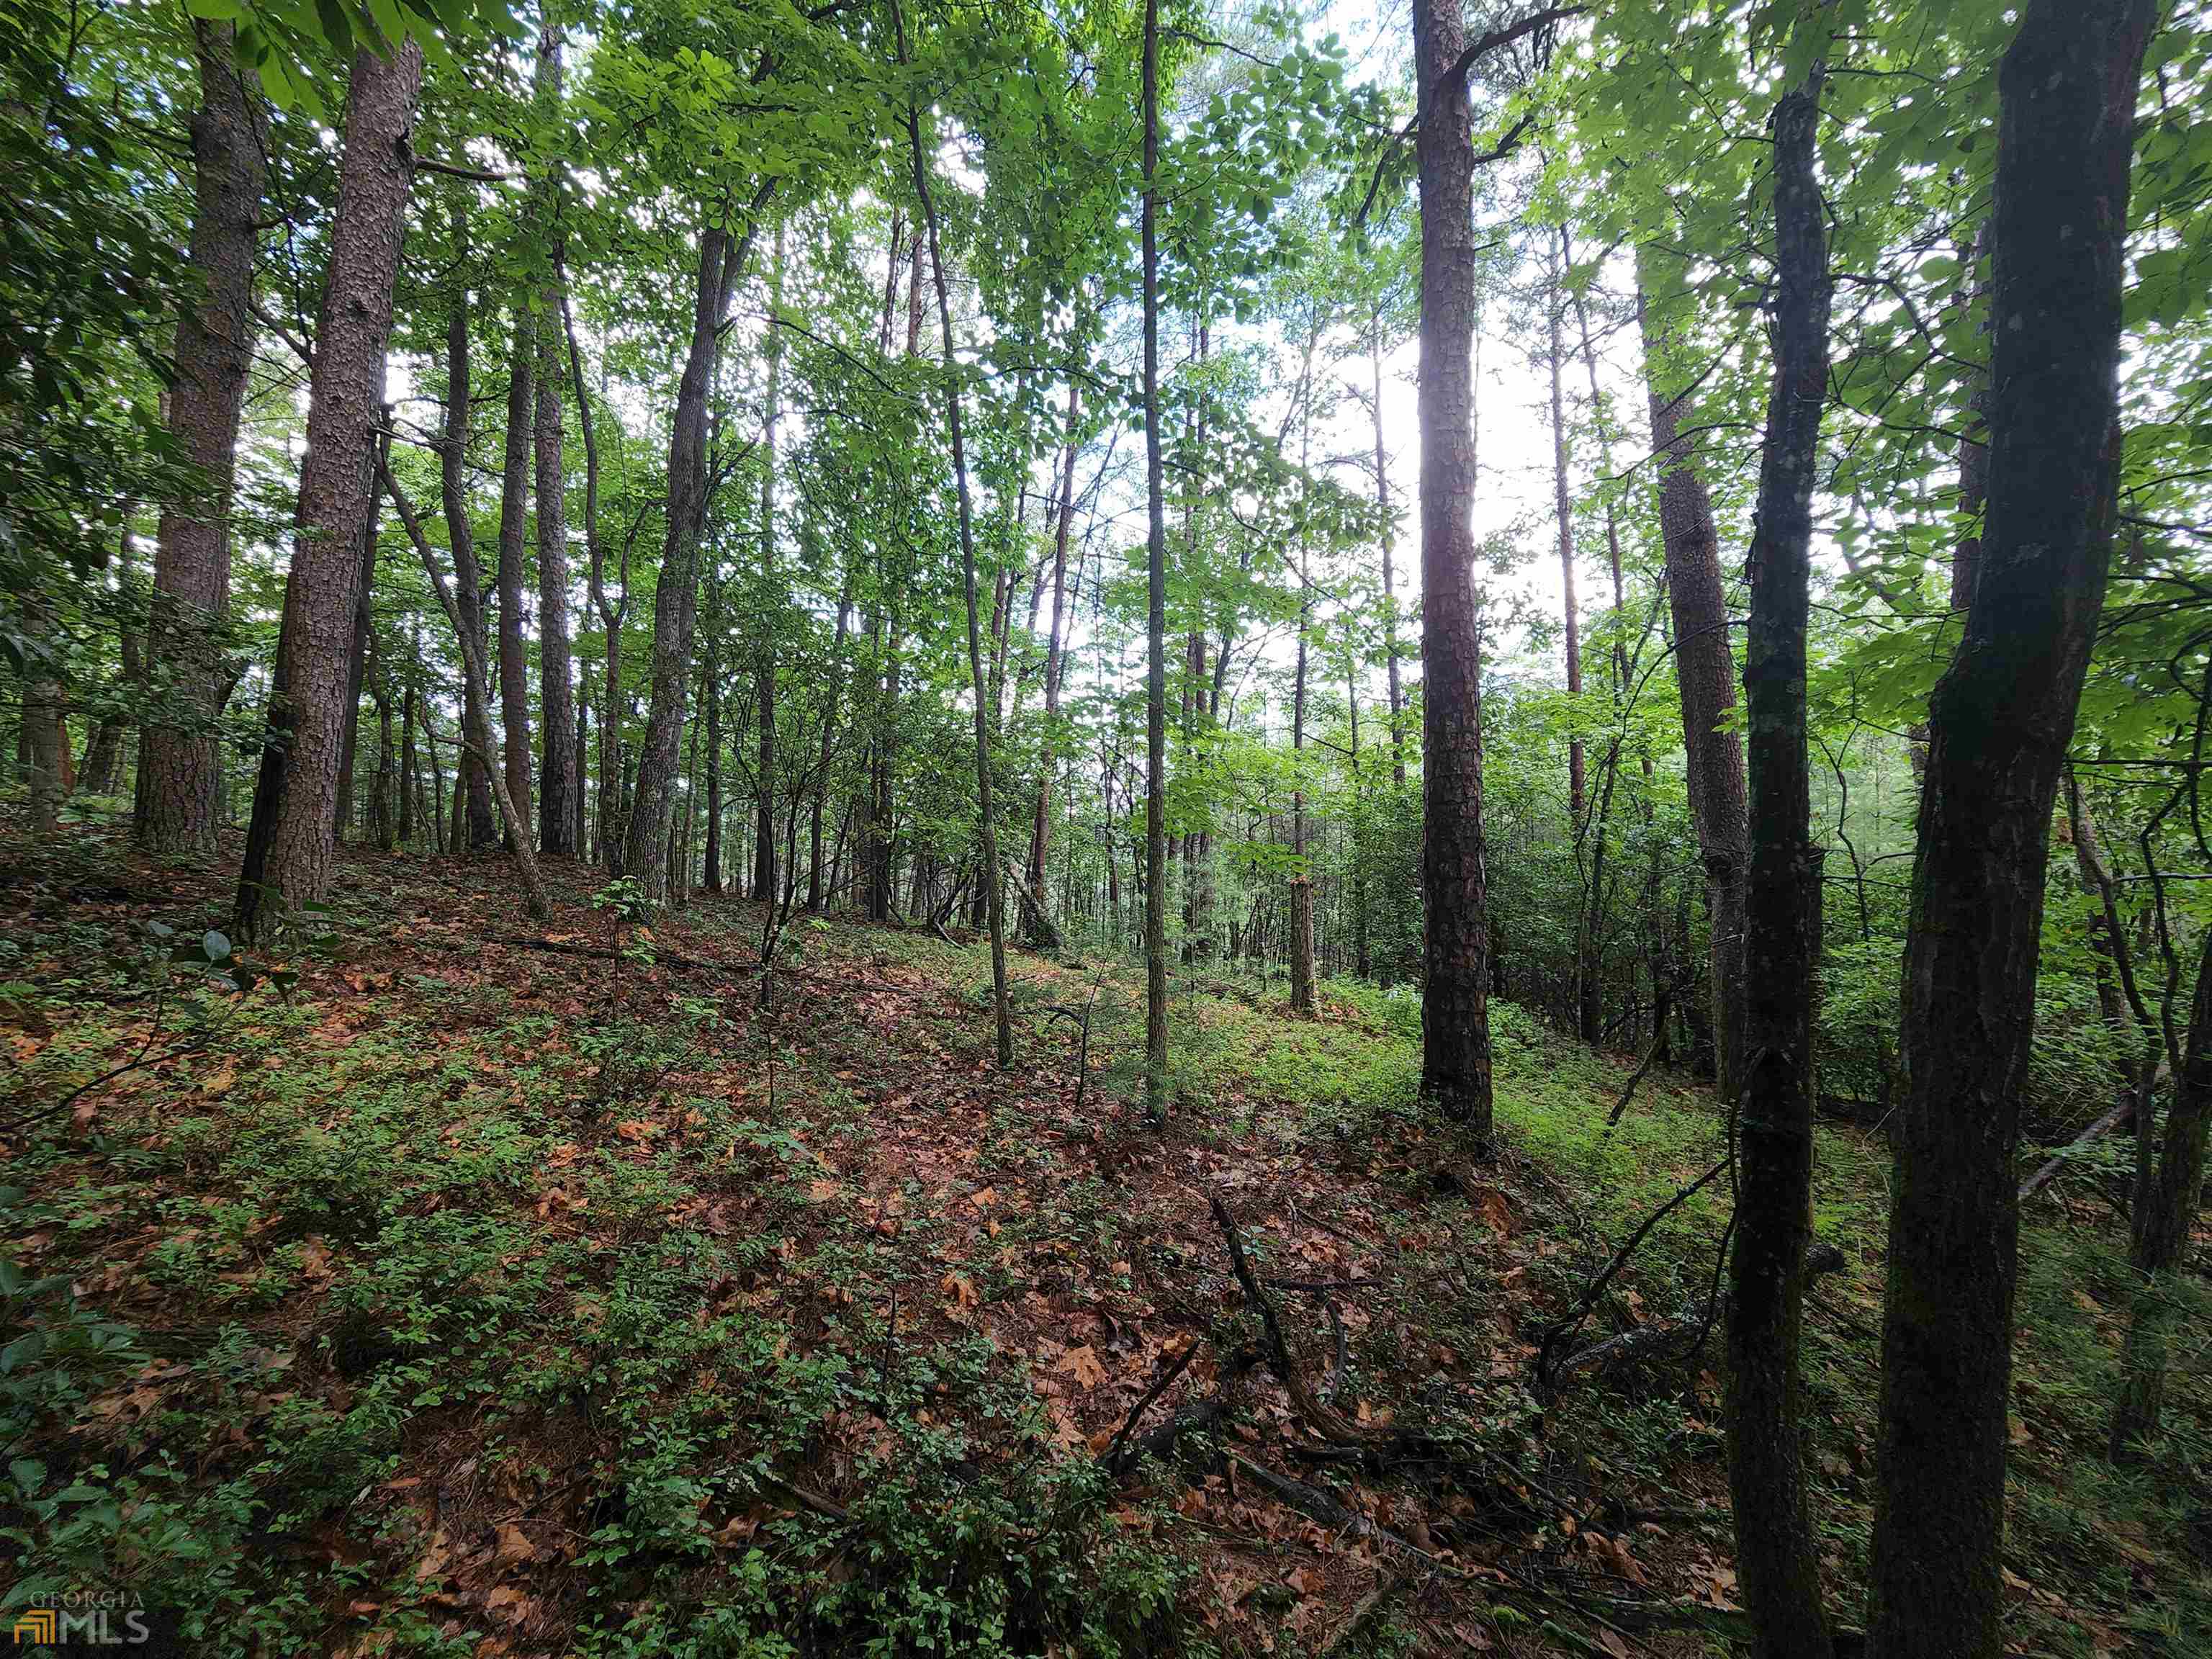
(1455, 1007)
(557, 779)
(179, 769)
(292, 844)
(1999, 725)
(1776, 1556)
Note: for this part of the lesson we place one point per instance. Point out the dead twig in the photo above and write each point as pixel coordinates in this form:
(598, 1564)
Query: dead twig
(1115, 1456)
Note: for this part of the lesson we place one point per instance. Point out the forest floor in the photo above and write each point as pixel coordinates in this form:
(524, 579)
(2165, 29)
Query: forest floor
(478, 1296)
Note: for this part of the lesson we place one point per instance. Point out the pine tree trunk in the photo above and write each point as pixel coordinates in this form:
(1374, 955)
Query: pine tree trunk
(1999, 725)
(1455, 1008)
(291, 847)
(181, 770)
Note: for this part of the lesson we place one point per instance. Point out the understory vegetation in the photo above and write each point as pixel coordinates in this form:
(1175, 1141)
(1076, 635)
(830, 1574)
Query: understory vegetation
(442, 1304)
(1081, 827)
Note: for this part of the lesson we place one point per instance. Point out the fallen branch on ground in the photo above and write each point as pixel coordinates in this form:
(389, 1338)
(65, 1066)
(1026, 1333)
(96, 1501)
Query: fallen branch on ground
(2119, 1117)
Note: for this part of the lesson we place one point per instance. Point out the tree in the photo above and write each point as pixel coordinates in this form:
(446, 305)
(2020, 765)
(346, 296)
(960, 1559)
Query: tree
(1706, 668)
(292, 843)
(1776, 1558)
(764, 648)
(1155, 605)
(482, 829)
(513, 539)
(560, 796)
(1588, 1013)
(721, 257)
(179, 766)
(1998, 727)
(1455, 1008)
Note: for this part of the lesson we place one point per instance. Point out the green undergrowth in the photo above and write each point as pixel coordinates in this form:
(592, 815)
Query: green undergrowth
(303, 1321)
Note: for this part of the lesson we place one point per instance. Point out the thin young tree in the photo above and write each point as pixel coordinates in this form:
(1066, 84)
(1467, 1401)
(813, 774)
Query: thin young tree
(993, 881)
(1705, 670)
(482, 827)
(1999, 723)
(476, 732)
(764, 646)
(515, 458)
(1155, 610)
(1776, 1557)
(675, 605)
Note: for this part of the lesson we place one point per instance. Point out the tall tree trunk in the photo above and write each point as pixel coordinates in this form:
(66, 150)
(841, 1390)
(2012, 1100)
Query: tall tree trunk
(1999, 723)
(1048, 768)
(1704, 663)
(1776, 1557)
(993, 881)
(676, 603)
(557, 699)
(180, 769)
(1156, 674)
(1588, 1014)
(1455, 1008)
(611, 613)
(480, 827)
(764, 657)
(1390, 649)
(1301, 891)
(291, 846)
(513, 538)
